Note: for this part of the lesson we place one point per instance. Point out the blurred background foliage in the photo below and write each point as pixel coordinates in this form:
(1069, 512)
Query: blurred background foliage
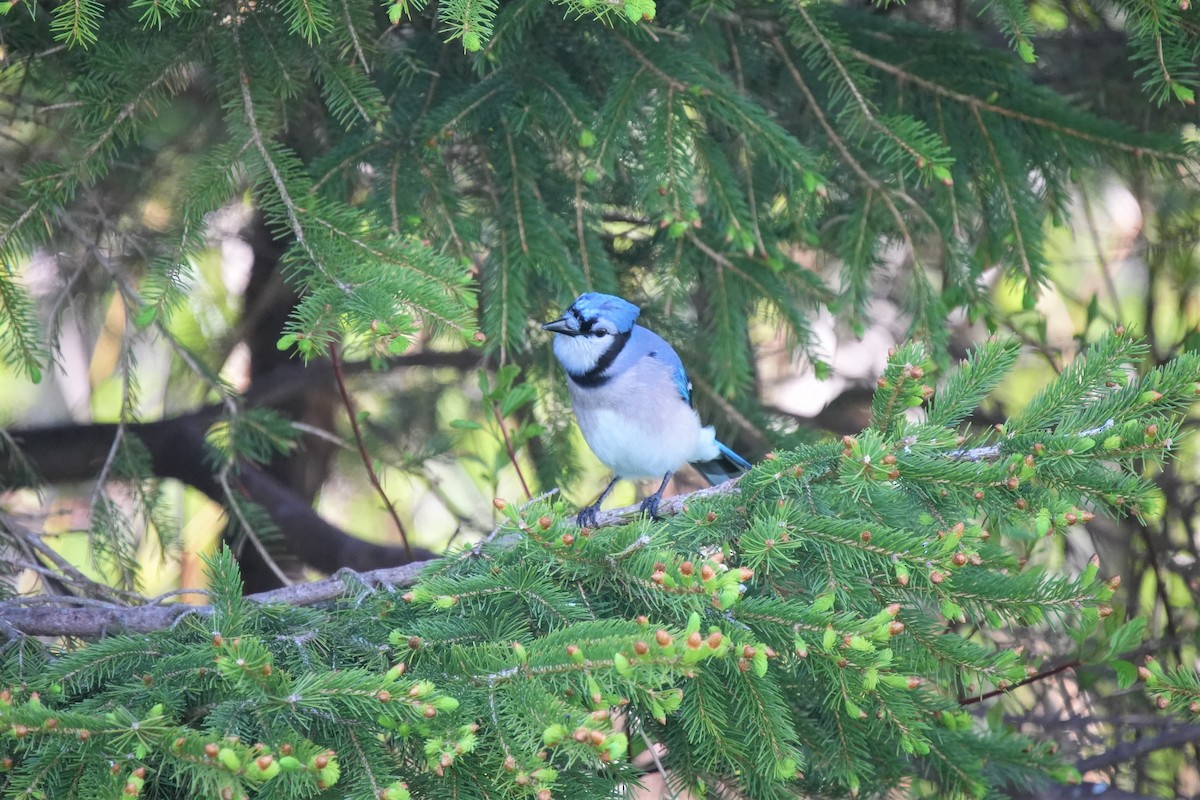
(788, 191)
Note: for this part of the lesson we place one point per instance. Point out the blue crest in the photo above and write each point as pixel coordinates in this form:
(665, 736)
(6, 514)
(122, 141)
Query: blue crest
(596, 306)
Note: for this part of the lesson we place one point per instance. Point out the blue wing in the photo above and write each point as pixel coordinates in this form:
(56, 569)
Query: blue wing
(678, 374)
(648, 344)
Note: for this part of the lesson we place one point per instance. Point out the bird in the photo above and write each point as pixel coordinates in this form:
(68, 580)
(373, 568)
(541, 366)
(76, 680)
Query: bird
(633, 400)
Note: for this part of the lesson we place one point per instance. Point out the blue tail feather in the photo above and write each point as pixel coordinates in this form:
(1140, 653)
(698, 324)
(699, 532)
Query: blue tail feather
(728, 465)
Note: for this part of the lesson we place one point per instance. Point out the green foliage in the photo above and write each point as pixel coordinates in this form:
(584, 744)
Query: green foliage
(811, 633)
(715, 162)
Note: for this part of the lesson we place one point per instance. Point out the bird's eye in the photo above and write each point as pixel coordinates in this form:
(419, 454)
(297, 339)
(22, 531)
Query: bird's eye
(600, 332)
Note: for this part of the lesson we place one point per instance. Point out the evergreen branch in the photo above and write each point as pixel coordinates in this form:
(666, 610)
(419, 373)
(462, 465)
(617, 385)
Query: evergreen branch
(640, 57)
(352, 29)
(1010, 206)
(981, 104)
(516, 188)
(852, 86)
(336, 361)
(885, 193)
(285, 197)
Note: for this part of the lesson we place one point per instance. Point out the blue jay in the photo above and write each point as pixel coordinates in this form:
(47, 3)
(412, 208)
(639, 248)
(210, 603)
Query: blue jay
(633, 399)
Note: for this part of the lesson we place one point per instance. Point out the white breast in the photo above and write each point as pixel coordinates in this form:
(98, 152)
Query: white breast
(638, 425)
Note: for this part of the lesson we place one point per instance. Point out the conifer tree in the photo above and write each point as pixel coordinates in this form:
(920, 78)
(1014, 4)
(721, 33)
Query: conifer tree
(807, 634)
(454, 172)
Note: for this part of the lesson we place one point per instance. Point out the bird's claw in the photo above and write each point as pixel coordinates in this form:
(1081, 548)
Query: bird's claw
(588, 516)
(649, 506)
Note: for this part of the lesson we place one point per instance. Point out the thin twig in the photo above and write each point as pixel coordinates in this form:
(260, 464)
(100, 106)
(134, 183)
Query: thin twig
(966, 701)
(512, 453)
(236, 509)
(340, 379)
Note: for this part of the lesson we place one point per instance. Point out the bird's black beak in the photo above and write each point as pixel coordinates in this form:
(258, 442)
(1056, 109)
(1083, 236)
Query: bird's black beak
(559, 326)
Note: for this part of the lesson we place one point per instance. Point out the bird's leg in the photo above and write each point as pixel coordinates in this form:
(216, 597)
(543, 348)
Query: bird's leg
(587, 515)
(650, 504)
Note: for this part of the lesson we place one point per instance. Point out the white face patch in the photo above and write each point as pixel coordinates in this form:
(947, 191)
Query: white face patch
(578, 354)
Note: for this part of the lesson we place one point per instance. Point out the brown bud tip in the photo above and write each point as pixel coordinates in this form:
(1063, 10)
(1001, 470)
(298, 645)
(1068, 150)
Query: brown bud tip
(686, 568)
(499, 503)
(1022, 504)
(770, 652)
(84, 735)
(936, 577)
(865, 536)
(745, 574)
(285, 749)
(597, 737)
(264, 761)
(211, 750)
(1143, 673)
(662, 638)
(881, 382)
(1162, 702)
(510, 763)
(572, 650)
(892, 609)
(902, 580)
(707, 573)
(1012, 483)
(545, 522)
(429, 712)
(1152, 430)
(710, 517)
(975, 559)
(694, 640)
(770, 457)
(414, 642)
(895, 628)
(642, 619)
(889, 459)
(1070, 518)
(849, 441)
(321, 761)
(1114, 582)
(978, 494)
(408, 597)
(218, 640)
(567, 539)
(959, 559)
(660, 566)
(544, 794)
(913, 681)
(641, 648)
(749, 652)
(479, 336)
(383, 695)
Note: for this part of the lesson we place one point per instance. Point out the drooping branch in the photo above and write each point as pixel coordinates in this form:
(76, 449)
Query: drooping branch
(178, 450)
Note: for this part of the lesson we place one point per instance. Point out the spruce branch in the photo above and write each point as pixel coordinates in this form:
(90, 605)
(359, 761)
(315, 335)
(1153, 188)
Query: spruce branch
(982, 104)
(1027, 267)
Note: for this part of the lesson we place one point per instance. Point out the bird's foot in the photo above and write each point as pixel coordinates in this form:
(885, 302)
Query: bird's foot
(588, 516)
(649, 506)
